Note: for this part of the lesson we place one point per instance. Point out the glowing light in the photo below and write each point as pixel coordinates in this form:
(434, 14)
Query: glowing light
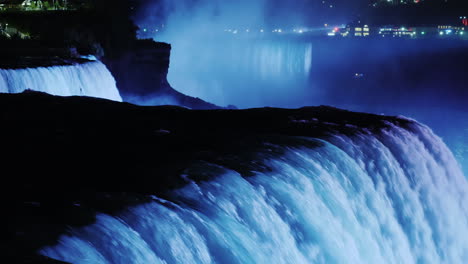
(64, 80)
(423, 33)
(441, 33)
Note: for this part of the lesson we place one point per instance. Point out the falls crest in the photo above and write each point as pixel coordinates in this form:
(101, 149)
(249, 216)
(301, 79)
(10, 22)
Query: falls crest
(397, 196)
(224, 71)
(84, 79)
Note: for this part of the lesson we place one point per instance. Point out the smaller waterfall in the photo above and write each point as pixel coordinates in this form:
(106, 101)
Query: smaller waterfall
(85, 79)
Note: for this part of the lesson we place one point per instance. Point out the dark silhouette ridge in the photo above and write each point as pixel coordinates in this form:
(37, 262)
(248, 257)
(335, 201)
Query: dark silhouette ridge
(70, 157)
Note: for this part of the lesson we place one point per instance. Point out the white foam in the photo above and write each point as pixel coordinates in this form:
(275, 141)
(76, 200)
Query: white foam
(85, 79)
(395, 197)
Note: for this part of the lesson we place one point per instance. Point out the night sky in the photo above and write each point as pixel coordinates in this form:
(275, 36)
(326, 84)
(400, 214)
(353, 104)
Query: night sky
(291, 12)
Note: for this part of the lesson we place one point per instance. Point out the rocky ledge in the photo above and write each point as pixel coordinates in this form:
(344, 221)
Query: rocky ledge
(67, 158)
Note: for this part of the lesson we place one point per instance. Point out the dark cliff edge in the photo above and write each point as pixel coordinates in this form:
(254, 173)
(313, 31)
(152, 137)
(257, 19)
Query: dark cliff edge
(66, 158)
(141, 75)
(61, 37)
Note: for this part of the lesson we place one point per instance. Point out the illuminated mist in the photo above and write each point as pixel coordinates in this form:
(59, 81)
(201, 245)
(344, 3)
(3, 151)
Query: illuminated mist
(223, 50)
(264, 53)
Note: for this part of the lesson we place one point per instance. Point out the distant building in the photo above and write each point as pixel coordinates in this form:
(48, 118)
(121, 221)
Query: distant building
(377, 3)
(363, 31)
(393, 31)
(356, 30)
(448, 31)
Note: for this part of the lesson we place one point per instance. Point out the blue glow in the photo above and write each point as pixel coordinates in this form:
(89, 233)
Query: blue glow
(86, 79)
(223, 71)
(398, 197)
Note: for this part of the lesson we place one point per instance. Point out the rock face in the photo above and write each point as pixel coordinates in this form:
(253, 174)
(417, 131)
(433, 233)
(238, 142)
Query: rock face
(139, 66)
(141, 75)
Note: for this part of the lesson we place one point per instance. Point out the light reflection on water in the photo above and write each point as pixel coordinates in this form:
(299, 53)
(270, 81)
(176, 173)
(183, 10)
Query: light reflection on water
(421, 79)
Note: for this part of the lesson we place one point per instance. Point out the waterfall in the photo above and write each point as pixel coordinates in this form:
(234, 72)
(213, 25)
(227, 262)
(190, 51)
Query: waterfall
(392, 196)
(224, 71)
(84, 79)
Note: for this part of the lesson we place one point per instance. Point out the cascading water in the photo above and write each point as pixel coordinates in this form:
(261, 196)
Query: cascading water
(84, 79)
(224, 70)
(397, 196)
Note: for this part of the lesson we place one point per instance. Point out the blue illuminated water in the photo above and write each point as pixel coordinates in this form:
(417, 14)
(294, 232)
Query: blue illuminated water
(397, 196)
(246, 72)
(81, 79)
(420, 78)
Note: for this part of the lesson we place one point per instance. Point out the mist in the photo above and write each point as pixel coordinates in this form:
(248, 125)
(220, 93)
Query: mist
(217, 42)
(208, 16)
(250, 54)
(266, 53)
